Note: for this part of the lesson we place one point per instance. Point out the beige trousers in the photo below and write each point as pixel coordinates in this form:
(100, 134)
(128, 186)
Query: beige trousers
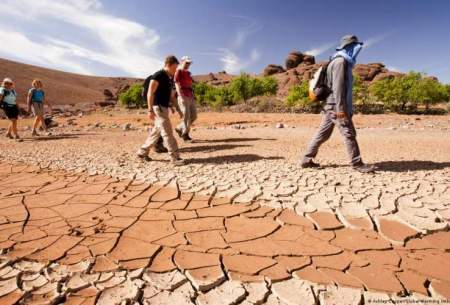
(162, 128)
(189, 110)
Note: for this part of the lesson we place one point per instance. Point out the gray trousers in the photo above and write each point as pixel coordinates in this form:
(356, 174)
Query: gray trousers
(189, 110)
(347, 130)
(162, 128)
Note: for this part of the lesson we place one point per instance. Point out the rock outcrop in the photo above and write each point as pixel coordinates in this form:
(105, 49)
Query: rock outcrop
(273, 69)
(301, 67)
(293, 60)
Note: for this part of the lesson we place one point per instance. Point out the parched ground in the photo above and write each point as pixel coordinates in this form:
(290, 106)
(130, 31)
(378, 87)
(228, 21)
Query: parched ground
(83, 221)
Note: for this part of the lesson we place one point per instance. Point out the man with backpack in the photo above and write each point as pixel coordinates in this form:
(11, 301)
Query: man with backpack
(159, 147)
(334, 84)
(159, 98)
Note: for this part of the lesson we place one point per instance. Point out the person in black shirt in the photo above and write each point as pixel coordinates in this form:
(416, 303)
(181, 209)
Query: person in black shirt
(159, 97)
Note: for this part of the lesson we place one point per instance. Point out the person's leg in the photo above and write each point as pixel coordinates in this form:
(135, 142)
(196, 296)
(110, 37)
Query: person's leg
(14, 127)
(35, 125)
(322, 135)
(152, 139)
(167, 133)
(9, 132)
(182, 105)
(44, 126)
(192, 115)
(159, 147)
(348, 132)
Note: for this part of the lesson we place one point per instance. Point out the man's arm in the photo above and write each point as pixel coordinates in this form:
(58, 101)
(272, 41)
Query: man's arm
(151, 98)
(339, 87)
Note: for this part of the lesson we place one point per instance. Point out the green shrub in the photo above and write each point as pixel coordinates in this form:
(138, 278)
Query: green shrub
(132, 97)
(239, 90)
(298, 97)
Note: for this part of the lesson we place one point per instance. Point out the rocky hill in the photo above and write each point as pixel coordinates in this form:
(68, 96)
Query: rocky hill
(63, 88)
(301, 67)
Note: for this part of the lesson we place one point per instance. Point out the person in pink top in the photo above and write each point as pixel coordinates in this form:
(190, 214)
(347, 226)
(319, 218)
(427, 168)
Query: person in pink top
(186, 99)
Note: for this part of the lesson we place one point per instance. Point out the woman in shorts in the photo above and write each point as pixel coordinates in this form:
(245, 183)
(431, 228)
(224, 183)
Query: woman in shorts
(36, 103)
(8, 97)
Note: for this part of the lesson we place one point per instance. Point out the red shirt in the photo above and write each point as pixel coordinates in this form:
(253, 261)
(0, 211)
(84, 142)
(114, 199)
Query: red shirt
(184, 79)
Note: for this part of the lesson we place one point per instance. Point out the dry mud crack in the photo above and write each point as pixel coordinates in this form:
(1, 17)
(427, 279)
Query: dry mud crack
(75, 238)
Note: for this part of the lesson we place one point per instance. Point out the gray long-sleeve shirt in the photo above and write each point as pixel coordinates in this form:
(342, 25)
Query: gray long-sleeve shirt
(341, 86)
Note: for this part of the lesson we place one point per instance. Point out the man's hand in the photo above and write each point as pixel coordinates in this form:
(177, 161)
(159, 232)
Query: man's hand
(151, 115)
(341, 115)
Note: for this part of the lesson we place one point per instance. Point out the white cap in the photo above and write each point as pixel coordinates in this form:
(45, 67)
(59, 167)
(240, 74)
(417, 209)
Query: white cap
(8, 80)
(186, 59)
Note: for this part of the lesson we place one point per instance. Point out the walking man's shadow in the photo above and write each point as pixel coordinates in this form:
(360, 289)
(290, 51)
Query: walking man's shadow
(410, 165)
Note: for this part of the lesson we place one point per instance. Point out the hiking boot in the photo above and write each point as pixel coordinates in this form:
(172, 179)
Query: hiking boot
(186, 138)
(34, 133)
(310, 164)
(364, 168)
(9, 136)
(178, 162)
(145, 158)
(18, 139)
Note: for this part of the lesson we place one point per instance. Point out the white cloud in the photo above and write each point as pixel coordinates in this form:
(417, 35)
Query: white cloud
(376, 39)
(120, 43)
(394, 68)
(320, 49)
(251, 26)
(232, 62)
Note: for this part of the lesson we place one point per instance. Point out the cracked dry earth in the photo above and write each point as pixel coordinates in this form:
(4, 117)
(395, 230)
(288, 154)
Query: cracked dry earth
(79, 238)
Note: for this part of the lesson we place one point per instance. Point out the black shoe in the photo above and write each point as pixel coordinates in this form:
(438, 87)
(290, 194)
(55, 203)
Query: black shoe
(364, 168)
(187, 138)
(310, 164)
(144, 158)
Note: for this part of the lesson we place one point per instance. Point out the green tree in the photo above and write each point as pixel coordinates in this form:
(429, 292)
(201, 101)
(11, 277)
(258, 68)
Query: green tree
(241, 87)
(411, 89)
(132, 97)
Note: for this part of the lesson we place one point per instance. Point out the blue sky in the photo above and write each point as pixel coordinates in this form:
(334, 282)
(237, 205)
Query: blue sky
(131, 38)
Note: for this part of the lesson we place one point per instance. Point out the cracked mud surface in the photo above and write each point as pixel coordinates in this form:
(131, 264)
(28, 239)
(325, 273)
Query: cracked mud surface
(83, 222)
(85, 239)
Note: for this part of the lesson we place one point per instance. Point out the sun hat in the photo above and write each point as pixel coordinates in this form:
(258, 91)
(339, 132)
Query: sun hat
(7, 80)
(348, 39)
(186, 59)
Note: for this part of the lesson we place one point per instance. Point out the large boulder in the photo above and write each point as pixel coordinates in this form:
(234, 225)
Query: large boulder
(273, 69)
(367, 72)
(294, 59)
(385, 75)
(308, 60)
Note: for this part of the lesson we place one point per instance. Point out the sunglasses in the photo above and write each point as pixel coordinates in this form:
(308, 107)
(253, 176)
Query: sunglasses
(8, 83)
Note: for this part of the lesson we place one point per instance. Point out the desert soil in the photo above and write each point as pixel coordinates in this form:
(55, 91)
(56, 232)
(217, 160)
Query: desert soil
(84, 221)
